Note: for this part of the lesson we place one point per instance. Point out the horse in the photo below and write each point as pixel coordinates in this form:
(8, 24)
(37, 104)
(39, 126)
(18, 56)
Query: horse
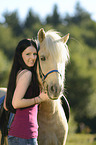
(53, 57)
(53, 116)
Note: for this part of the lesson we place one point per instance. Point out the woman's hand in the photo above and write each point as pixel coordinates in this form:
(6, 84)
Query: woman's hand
(43, 96)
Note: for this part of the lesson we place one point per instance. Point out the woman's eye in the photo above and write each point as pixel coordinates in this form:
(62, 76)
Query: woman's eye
(43, 58)
(28, 54)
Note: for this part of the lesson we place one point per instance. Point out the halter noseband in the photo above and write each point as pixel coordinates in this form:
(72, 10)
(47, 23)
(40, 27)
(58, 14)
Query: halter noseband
(42, 76)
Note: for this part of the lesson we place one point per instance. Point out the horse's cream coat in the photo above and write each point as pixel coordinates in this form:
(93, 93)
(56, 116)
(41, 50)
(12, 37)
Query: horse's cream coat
(53, 127)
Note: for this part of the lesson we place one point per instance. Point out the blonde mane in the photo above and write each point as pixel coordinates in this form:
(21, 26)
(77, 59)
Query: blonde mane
(55, 46)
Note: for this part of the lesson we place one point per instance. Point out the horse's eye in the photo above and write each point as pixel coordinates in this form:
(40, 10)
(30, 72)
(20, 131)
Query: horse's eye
(43, 58)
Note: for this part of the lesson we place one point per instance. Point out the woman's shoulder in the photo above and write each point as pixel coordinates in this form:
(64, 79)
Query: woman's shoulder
(24, 73)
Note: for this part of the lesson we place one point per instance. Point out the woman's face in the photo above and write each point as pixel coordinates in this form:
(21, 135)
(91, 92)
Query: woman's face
(29, 56)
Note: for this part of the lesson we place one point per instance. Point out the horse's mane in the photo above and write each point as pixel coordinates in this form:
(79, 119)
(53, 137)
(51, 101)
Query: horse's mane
(56, 47)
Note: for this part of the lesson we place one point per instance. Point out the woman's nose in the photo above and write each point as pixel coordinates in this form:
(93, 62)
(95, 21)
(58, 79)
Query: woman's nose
(33, 57)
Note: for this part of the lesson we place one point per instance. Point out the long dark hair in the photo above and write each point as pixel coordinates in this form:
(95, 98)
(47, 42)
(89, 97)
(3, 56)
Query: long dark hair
(18, 64)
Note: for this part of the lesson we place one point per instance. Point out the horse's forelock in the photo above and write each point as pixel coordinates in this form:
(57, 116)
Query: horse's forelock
(58, 50)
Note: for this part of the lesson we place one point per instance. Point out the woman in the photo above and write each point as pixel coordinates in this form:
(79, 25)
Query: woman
(23, 95)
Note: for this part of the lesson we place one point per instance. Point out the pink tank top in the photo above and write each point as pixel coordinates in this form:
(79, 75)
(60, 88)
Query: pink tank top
(25, 123)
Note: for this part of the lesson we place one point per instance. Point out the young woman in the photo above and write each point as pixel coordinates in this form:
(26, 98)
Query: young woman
(23, 95)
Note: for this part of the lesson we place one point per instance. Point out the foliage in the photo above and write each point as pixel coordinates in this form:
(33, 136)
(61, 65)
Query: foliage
(31, 19)
(7, 41)
(81, 139)
(79, 16)
(4, 69)
(80, 83)
(12, 21)
(55, 18)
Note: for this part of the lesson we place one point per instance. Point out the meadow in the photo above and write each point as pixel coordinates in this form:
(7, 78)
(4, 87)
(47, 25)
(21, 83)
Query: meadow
(81, 139)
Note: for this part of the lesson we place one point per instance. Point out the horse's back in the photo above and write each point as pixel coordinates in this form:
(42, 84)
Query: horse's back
(3, 116)
(3, 92)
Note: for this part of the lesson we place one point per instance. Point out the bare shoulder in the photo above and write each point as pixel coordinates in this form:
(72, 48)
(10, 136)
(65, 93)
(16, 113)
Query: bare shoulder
(24, 74)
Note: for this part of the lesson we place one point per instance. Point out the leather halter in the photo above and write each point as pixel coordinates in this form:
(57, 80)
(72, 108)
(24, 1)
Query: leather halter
(44, 76)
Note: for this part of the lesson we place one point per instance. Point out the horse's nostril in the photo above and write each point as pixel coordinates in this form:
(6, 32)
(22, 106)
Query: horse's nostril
(54, 89)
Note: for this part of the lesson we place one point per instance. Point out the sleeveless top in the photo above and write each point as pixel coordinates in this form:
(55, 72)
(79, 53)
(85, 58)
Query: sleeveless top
(25, 123)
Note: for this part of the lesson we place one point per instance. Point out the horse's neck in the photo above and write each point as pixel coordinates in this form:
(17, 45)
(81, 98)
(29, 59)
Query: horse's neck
(48, 107)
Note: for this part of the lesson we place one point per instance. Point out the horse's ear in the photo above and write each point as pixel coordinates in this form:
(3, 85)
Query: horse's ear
(65, 38)
(41, 35)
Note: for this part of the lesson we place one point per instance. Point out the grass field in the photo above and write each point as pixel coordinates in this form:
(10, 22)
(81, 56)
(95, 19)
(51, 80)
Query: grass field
(81, 139)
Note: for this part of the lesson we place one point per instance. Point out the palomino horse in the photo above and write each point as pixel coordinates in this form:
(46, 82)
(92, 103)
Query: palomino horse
(53, 56)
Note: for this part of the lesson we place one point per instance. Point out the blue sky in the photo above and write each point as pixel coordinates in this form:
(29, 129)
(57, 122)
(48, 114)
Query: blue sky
(45, 7)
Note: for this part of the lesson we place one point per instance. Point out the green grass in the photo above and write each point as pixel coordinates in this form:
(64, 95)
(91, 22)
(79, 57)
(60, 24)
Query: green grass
(81, 139)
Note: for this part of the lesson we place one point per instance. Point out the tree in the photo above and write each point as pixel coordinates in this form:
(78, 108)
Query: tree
(12, 21)
(55, 18)
(4, 69)
(7, 41)
(31, 19)
(79, 16)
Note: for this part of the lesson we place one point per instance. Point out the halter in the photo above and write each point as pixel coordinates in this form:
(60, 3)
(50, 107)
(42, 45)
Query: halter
(42, 76)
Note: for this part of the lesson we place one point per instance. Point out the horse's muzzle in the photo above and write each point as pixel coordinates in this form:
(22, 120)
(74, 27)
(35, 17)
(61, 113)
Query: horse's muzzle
(53, 91)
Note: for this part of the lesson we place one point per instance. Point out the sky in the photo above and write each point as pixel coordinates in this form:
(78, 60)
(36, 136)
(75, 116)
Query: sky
(45, 7)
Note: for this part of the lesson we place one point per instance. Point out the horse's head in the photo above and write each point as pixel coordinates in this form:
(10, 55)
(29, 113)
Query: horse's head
(53, 55)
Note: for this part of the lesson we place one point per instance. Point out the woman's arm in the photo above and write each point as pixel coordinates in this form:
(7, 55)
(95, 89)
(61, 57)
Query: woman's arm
(22, 84)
